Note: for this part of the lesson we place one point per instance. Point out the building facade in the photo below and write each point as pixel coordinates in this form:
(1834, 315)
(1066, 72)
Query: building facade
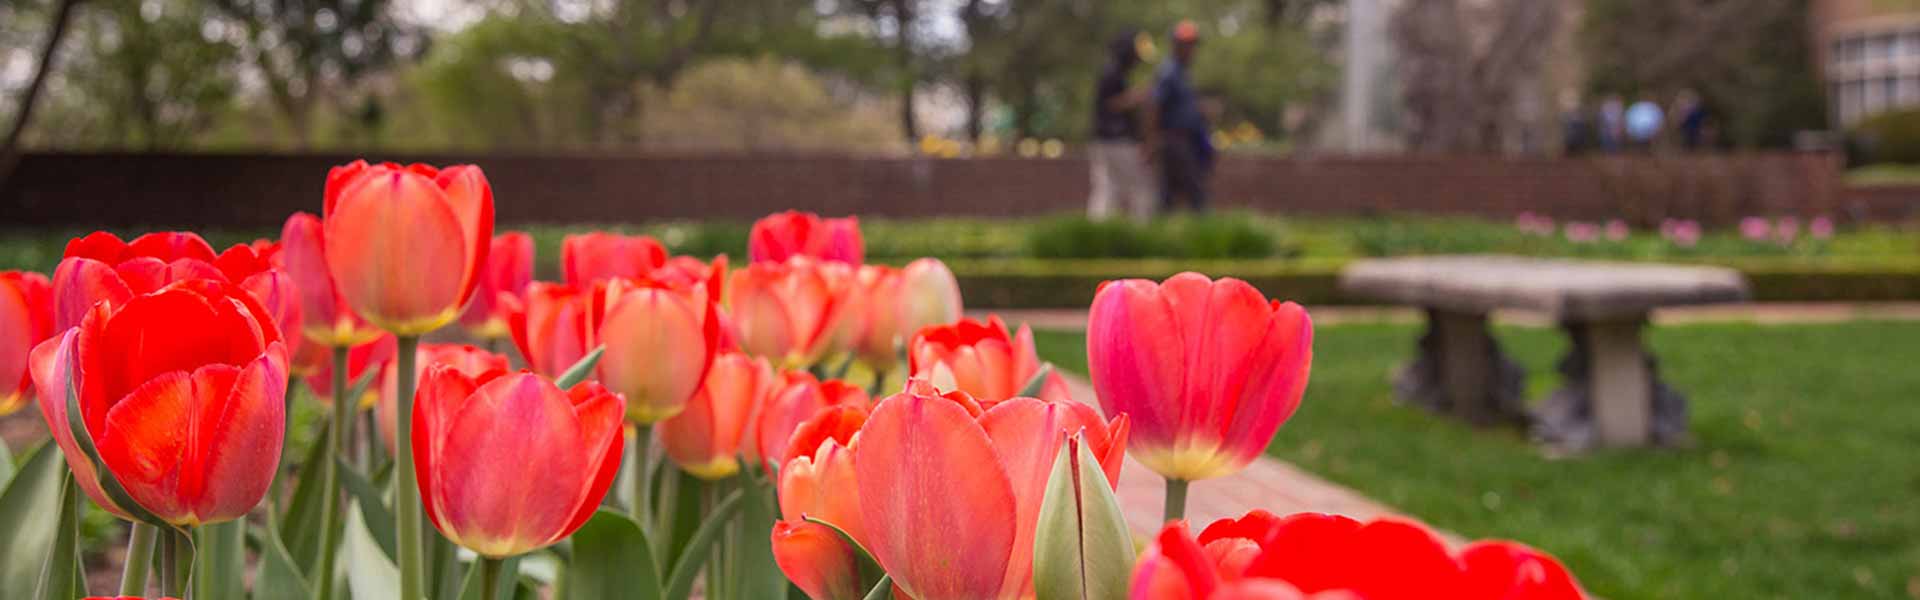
(1868, 53)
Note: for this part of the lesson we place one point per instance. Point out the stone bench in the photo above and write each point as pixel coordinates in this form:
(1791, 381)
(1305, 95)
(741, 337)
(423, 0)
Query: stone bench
(1612, 393)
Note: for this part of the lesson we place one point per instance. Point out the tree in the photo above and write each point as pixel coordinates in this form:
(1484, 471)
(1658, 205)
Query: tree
(151, 74)
(1460, 95)
(43, 68)
(303, 49)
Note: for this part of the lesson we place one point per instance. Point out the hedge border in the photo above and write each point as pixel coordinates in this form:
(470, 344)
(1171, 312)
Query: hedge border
(1071, 283)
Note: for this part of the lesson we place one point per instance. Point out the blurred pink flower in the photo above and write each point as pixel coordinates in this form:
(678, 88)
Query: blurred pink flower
(1755, 229)
(1786, 230)
(1821, 228)
(1686, 234)
(1617, 230)
(1580, 232)
(1533, 223)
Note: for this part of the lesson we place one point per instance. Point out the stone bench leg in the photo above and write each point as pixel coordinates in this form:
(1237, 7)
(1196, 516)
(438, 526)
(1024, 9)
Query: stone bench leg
(1612, 394)
(1459, 370)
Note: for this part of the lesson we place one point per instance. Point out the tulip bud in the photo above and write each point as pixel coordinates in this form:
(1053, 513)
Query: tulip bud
(26, 320)
(406, 244)
(706, 438)
(982, 360)
(780, 236)
(326, 318)
(929, 295)
(795, 313)
(660, 342)
(586, 258)
(508, 270)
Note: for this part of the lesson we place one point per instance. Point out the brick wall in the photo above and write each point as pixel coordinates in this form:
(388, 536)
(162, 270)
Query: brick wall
(242, 190)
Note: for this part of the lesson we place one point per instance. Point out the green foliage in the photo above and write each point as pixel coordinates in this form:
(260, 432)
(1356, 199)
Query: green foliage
(1890, 137)
(762, 104)
(143, 76)
(1082, 548)
(27, 502)
(1212, 236)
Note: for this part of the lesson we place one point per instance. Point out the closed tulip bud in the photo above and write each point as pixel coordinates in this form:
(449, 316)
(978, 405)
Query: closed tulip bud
(1207, 369)
(929, 295)
(326, 318)
(795, 313)
(101, 268)
(780, 236)
(550, 327)
(818, 560)
(796, 398)
(586, 258)
(878, 341)
(406, 244)
(509, 269)
(26, 320)
(983, 360)
(183, 393)
(660, 341)
(706, 438)
(513, 464)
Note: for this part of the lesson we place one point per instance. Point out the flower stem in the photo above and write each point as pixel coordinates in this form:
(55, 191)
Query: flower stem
(133, 575)
(489, 578)
(642, 453)
(338, 432)
(170, 565)
(1176, 507)
(406, 503)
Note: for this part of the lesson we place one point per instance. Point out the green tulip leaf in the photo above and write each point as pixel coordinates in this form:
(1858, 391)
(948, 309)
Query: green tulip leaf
(279, 577)
(680, 583)
(221, 562)
(61, 576)
(370, 574)
(33, 494)
(611, 559)
(1038, 383)
(6, 465)
(1082, 549)
(882, 590)
(300, 525)
(373, 508)
(580, 370)
(471, 589)
(751, 549)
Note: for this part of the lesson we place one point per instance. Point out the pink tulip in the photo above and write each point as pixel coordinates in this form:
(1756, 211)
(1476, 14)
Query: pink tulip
(795, 313)
(598, 256)
(1208, 370)
(326, 319)
(406, 244)
(780, 236)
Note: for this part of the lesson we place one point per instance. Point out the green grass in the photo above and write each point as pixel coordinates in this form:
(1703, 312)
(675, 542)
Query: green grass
(1801, 481)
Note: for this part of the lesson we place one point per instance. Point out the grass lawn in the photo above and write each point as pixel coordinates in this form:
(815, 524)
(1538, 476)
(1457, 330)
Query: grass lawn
(1801, 482)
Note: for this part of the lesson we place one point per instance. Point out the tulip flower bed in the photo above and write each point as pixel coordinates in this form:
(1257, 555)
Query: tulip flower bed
(663, 426)
(1794, 486)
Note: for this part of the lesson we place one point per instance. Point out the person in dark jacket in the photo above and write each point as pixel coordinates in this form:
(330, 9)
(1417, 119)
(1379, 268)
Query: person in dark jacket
(1119, 167)
(1182, 142)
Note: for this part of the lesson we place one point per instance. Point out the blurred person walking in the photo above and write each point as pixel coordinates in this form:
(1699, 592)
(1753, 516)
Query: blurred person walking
(1119, 165)
(1612, 123)
(1182, 143)
(1644, 123)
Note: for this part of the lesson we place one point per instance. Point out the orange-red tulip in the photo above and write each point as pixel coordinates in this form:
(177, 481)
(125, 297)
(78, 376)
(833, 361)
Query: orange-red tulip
(1329, 556)
(780, 236)
(817, 560)
(929, 295)
(706, 438)
(797, 397)
(26, 320)
(598, 256)
(258, 270)
(550, 327)
(326, 318)
(468, 360)
(983, 360)
(819, 483)
(100, 267)
(371, 355)
(1208, 369)
(877, 341)
(183, 392)
(509, 464)
(795, 313)
(937, 477)
(509, 269)
(406, 244)
(660, 341)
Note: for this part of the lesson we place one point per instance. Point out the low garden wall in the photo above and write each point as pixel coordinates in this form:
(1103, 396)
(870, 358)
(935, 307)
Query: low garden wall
(259, 190)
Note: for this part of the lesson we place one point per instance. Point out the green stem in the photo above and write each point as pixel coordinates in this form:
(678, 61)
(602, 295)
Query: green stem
(170, 565)
(133, 575)
(489, 578)
(330, 506)
(406, 503)
(642, 452)
(1176, 507)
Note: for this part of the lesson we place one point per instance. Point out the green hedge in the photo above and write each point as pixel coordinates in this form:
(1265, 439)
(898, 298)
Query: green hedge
(1071, 283)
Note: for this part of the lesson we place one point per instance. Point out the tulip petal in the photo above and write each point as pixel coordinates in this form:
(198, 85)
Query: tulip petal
(1027, 435)
(234, 447)
(817, 559)
(511, 467)
(934, 500)
(660, 355)
(177, 329)
(602, 416)
(1276, 378)
(147, 438)
(442, 392)
(471, 199)
(51, 364)
(80, 282)
(1133, 341)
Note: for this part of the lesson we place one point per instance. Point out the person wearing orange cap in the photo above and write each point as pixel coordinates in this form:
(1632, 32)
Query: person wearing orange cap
(1181, 129)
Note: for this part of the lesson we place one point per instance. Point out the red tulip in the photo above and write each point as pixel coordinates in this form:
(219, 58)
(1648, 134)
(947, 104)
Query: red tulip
(470, 361)
(660, 341)
(509, 269)
(258, 270)
(1327, 556)
(780, 236)
(371, 355)
(929, 295)
(509, 464)
(550, 327)
(937, 476)
(326, 318)
(1208, 369)
(706, 438)
(598, 256)
(796, 398)
(983, 360)
(100, 267)
(795, 313)
(817, 560)
(819, 482)
(407, 243)
(26, 320)
(183, 392)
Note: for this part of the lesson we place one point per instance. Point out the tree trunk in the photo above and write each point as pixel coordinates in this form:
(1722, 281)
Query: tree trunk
(976, 90)
(10, 149)
(903, 53)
